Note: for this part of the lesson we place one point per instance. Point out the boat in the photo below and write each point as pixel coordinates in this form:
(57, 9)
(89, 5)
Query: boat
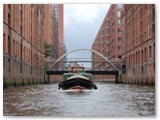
(76, 78)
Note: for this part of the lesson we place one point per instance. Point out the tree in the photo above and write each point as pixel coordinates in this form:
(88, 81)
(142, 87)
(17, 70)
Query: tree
(47, 48)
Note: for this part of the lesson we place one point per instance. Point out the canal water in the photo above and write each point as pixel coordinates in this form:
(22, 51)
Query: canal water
(107, 101)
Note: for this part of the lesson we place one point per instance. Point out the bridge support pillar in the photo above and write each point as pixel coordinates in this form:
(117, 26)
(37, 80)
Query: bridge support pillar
(48, 78)
(116, 81)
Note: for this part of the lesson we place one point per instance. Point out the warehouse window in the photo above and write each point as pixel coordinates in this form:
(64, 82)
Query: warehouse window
(142, 71)
(142, 56)
(119, 39)
(119, 31)
(119, 49)
(145, 54)
(119, 22)
(9, 45)
(119, 14)
(13, 47)
(150, 52)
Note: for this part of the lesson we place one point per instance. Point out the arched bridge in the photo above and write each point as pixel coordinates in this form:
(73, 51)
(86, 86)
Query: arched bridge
(114, 70)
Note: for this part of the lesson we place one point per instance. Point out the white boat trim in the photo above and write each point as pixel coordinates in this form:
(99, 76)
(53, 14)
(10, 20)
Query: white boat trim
(77, 76)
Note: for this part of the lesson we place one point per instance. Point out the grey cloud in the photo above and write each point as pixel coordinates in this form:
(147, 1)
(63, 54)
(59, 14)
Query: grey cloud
(81, 33)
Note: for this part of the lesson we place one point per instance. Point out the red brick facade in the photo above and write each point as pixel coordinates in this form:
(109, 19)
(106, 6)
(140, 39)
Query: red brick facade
(138, 28)
(60, 30)
(23, 43)
(109, 39)
(58, 14)
(48, 26)
(26, 29)
(137, 46)
(58, 37)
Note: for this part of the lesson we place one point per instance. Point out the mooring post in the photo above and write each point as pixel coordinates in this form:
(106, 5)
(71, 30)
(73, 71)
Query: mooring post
(116, 81)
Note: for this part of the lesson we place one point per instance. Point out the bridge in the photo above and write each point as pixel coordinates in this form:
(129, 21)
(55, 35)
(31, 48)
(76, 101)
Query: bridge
(94, 72)
(111, 71)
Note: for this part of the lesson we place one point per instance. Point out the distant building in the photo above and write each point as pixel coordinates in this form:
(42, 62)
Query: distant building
(48, 35)
(48, 26)
(57, 33)
(23, 44)
(108, 40)
(138, 53)
(58, 30)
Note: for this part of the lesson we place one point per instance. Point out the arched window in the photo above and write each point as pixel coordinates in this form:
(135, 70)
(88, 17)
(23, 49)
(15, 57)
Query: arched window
(136, 57)
(145, 54)
(13, 48)
(18, 50)
(142, 56)
(9, 45)
(142, 70)
(24, 53)
(139, 57)
(150, 52)
(133, 59)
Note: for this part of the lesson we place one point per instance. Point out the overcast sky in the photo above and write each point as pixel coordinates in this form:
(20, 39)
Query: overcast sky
(81, 25)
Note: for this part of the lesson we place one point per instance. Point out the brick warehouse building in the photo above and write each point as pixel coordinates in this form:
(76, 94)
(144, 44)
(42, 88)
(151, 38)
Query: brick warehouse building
(58, 48)
(108, 40)
(59, 33)
(23, 44)
(138, 53)
(48, 26)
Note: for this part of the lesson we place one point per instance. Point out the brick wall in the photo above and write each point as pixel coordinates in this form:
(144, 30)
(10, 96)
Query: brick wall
(138, 30)
(108, 40)
(23, 43)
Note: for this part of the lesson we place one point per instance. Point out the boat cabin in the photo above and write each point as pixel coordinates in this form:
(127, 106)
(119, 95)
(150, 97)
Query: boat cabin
(77, 69)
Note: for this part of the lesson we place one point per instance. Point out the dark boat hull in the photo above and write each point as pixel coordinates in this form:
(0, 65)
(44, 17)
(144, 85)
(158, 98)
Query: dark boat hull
(69, 84)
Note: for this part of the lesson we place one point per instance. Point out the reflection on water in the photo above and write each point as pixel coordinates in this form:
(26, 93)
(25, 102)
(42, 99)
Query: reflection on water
(107, 100)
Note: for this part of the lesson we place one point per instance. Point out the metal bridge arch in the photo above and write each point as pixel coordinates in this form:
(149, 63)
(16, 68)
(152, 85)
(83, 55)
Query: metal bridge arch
(84, 49)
